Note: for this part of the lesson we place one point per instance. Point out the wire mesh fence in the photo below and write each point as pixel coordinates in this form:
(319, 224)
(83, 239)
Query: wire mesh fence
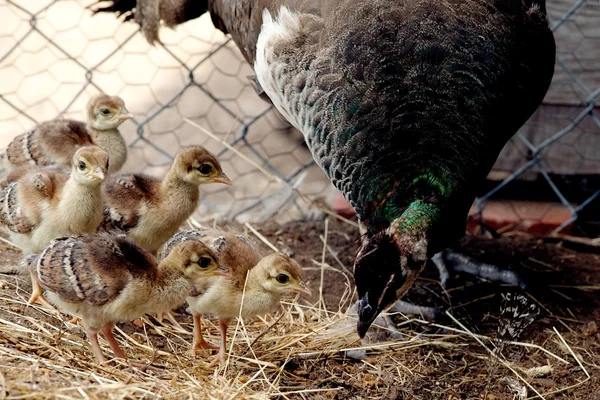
(54, 54)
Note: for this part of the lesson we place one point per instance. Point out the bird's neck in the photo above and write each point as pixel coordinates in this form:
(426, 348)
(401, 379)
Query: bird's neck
(417, 218)
(170, 286)
(81, 205)
(411, 229)
(112, 142)
(175, 190)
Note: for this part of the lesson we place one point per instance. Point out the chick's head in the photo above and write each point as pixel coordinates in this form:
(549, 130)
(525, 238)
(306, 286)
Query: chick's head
(107, 112)
(280, 274)
(195, 259)
(90, 165)
(196, 165)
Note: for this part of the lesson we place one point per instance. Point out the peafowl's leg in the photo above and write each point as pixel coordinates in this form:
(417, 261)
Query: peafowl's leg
(451, 260)
(426, 313)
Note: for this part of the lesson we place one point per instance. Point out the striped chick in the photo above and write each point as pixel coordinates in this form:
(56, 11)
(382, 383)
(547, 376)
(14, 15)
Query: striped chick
(50, 202)
(261, 281)
(104, 279)
(54, 142)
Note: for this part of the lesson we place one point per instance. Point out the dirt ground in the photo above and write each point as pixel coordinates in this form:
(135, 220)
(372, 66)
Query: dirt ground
(444, 363)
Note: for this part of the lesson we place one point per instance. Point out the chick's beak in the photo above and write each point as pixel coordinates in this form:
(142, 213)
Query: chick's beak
(301, 288)
(223, 179)
(99, 173)
(125, 114)
(220, 272)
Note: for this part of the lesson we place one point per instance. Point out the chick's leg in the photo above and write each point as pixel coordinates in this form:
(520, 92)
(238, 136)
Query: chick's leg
(93, 337)
(199, 342)
(171, 318)
(112, 342)
(114, 345)
(220, 357)
(38, 296)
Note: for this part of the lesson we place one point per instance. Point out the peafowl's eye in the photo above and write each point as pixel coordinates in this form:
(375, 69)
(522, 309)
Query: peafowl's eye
(82, 165)
(204, 262)
(205, 169)
(283, 278)
(105, 111)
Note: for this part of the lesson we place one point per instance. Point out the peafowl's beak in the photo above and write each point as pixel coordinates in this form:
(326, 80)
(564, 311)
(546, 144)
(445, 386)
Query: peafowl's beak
(366, 315)
(379, 298)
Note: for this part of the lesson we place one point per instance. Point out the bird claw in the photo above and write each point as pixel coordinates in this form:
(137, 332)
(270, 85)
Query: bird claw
(458, 262)
(201, 346)
(219, 358)
(427, 313)
(38, 297)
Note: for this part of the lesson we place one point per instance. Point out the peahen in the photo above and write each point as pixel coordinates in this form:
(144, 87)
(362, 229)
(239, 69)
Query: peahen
(405, 104)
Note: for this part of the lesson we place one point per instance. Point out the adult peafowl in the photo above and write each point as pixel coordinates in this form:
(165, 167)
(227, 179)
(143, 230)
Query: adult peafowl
(405, 104)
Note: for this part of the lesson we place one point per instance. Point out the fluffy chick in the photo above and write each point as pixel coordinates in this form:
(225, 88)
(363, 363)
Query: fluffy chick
(267, 280)
(151, 210)
(52, 202)
(54, 142)
(104, 279)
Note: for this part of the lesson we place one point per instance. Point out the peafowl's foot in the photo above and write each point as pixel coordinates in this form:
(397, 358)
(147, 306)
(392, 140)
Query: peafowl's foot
(450, 260)
(447, 261)
(426, 313)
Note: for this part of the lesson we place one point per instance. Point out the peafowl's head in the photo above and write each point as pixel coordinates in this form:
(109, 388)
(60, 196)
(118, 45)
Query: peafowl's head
(386, 266)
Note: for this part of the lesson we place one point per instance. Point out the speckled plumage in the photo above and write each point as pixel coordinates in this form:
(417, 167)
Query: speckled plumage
(49, 202)
(11, 214)
(405, 104)
(104, 279)
(54, 142)
(251, 277)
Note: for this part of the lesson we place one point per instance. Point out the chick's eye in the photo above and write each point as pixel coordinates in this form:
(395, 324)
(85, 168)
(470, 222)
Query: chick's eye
(283, 278)
(104, 111)
(204, 262)
(205, 169)
(81, 165)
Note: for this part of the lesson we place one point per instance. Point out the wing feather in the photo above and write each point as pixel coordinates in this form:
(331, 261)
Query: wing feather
(68, 268)
(125, 197)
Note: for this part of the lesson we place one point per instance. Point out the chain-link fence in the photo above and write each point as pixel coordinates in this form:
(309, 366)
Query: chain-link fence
(54, 55)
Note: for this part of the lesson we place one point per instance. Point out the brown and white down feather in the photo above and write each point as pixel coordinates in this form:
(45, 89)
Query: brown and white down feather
(250, 277)
(151, 210)
(104, 279)
(54, 142)
(51, 202)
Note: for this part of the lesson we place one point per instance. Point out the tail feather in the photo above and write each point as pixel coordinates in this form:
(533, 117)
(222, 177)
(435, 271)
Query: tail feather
(149, 13)
(123, 8)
